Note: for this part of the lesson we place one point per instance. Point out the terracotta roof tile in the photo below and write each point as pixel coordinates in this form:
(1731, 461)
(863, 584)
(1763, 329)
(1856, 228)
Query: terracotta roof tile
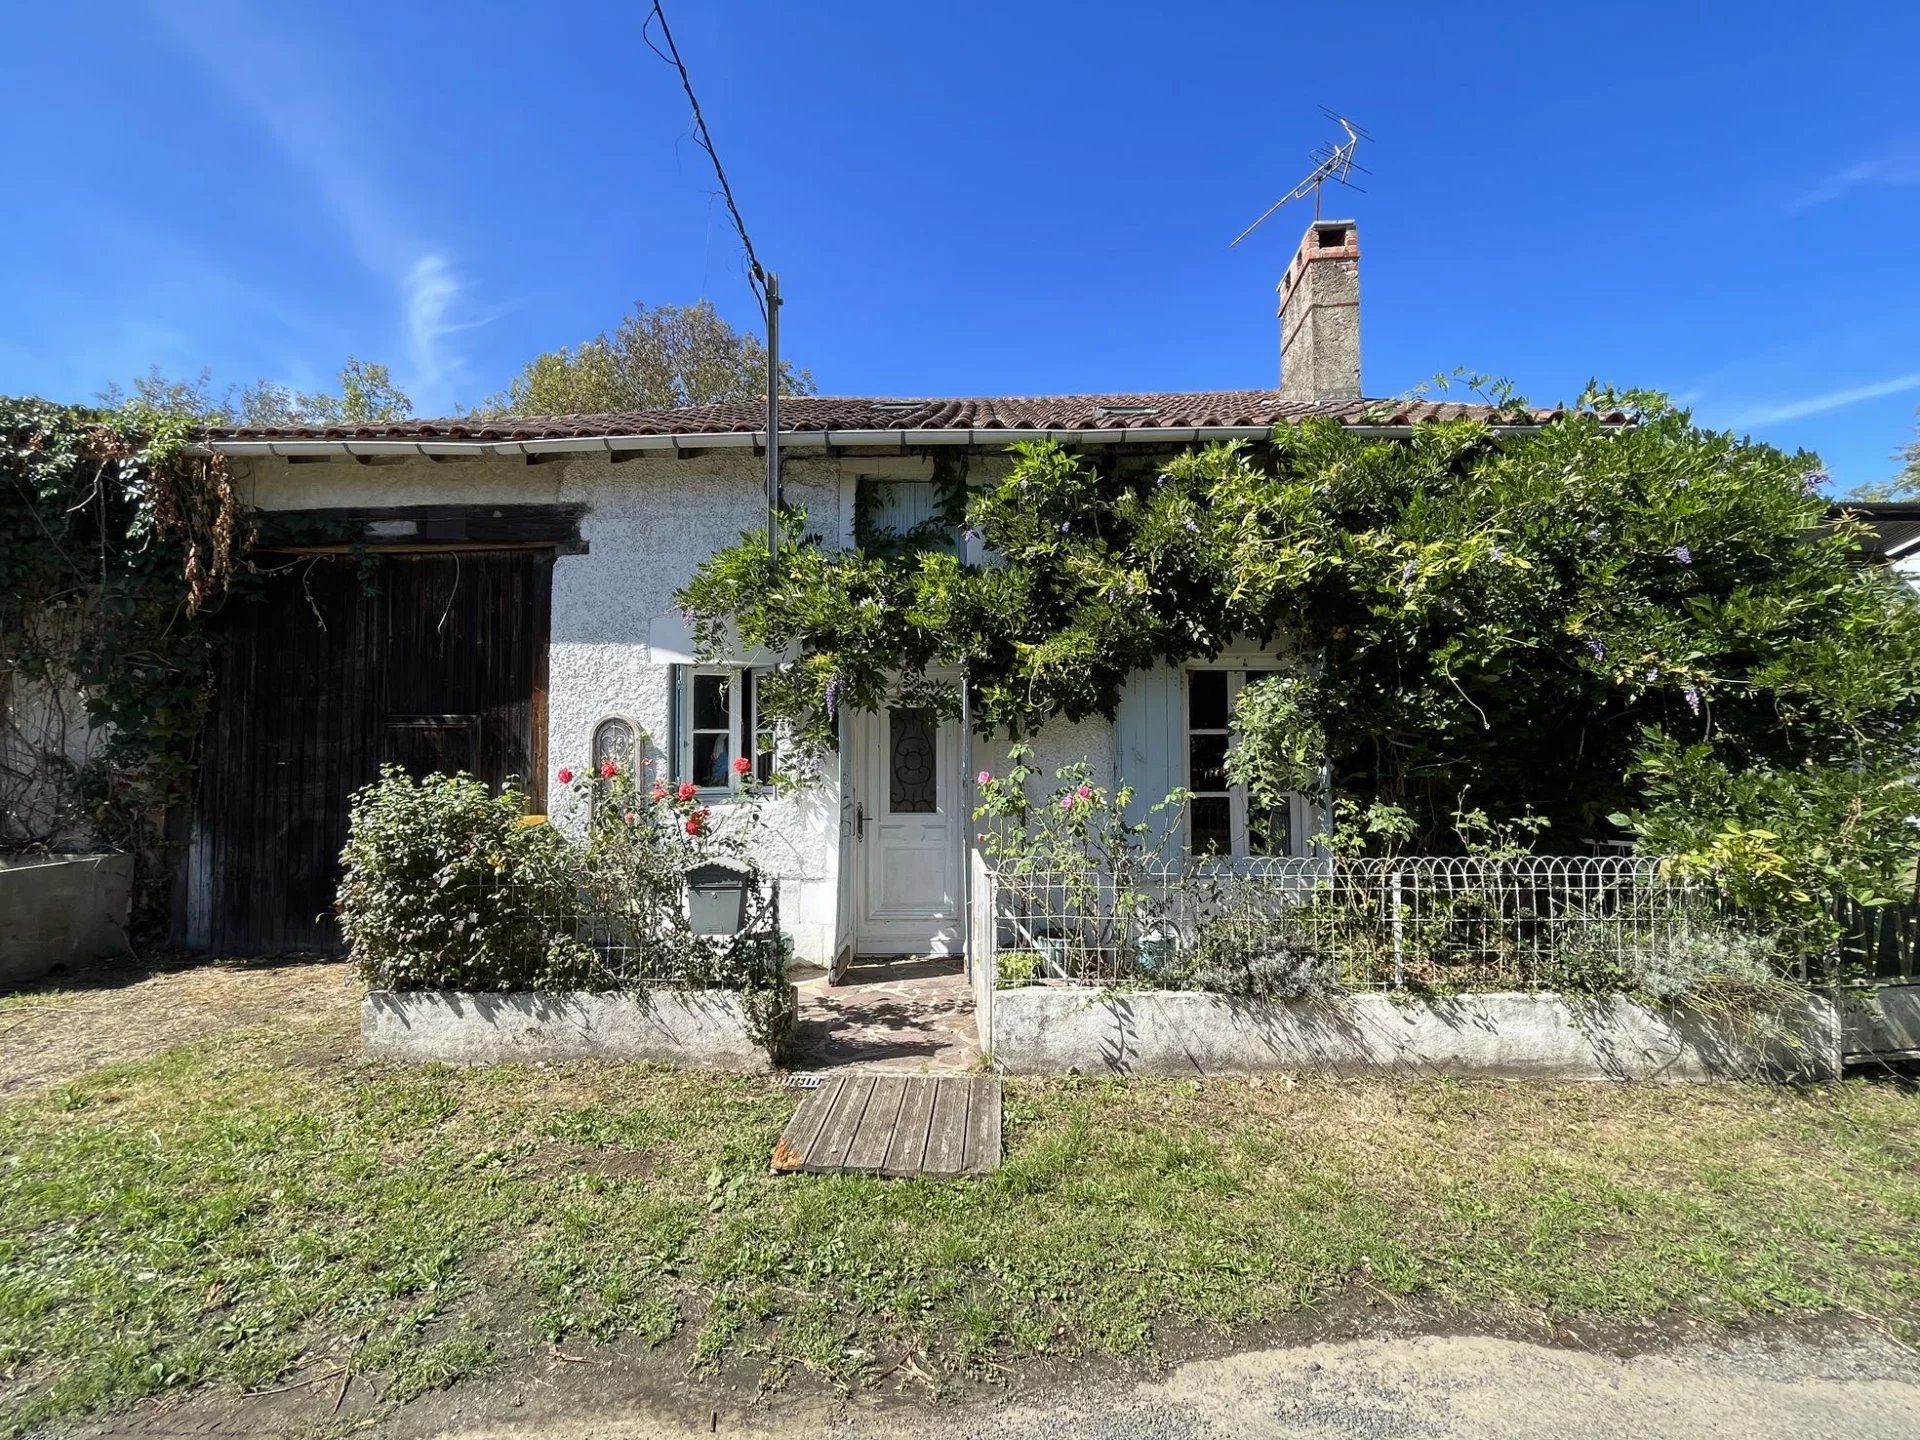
(816, 413)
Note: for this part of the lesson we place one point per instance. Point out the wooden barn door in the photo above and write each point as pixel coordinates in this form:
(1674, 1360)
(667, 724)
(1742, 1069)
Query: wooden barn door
(436, 662)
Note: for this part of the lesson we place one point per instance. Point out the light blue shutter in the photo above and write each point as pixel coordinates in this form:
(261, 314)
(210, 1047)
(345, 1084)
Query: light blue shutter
(676, 718)
(1148, 732)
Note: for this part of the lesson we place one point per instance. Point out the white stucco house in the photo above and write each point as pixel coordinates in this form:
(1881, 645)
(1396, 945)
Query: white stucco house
(529, 621)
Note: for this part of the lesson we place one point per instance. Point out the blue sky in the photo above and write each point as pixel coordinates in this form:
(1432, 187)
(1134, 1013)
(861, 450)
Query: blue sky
(993, 198)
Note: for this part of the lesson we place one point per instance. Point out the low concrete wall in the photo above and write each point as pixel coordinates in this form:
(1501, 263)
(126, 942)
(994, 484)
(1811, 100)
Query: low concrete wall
(62, 910)
(709, 1028)
(1043, 1030)
(1882, 1021)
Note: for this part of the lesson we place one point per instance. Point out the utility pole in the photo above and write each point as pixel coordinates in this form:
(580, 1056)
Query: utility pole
(773, 419)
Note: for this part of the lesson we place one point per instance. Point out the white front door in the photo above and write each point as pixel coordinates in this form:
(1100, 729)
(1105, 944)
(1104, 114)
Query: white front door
(909, 832)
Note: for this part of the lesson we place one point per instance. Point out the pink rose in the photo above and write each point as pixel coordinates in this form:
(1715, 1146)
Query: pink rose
(741, 764)
(1066, 802)
(565, 777)
(986, 777)
(1085, 792)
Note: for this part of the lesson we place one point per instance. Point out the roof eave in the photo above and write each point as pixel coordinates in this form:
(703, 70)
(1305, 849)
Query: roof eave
(789, 440)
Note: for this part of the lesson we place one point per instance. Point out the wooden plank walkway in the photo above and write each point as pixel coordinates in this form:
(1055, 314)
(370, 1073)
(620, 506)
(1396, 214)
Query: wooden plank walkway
(900, 1125)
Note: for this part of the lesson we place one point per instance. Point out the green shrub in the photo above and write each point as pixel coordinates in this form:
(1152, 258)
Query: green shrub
(1255, 954)
(1014, 968)
(449, 886)
(1690, 957)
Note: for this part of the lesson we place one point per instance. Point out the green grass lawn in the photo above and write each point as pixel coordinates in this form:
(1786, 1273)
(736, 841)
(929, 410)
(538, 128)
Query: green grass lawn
(233, 1212)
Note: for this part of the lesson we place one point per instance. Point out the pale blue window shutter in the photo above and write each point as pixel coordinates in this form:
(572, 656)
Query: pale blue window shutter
(1147, 736)
(676, 719)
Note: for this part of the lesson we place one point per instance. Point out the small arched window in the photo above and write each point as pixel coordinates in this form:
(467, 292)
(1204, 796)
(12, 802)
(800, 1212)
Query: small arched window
(616, 739)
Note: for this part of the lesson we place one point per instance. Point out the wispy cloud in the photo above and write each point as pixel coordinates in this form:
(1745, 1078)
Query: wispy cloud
(1829, 400)
(431, 288)
(311, 122)
(1888, 170)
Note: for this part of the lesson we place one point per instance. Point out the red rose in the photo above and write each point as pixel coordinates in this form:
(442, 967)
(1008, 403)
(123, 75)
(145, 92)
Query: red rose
(565, 777)
(741, 764)
(694, 822)
(687, 791)
(608, 769)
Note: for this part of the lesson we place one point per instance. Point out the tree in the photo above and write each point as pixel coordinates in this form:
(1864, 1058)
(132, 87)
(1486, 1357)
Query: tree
(659, 358)
(367, 394)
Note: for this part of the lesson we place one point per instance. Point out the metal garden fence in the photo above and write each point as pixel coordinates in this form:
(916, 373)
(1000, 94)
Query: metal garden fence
(1524, 923)
(612, 929)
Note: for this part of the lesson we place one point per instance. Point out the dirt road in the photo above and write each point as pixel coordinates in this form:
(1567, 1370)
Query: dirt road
(1447, 1388)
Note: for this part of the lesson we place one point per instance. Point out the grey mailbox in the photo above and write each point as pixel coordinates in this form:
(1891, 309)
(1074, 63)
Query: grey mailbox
(717, 898)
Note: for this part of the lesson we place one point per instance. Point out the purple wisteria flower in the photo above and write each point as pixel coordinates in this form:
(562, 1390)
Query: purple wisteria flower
(1653, 673)
(970, 535)
(833, 696)
(1499, 552)
(1814, 480)
(1408, 570)
(1193, 525)
(1596, 533)
(1692, 694)
(1064, 527)
(1683, 554)
(1597, 647)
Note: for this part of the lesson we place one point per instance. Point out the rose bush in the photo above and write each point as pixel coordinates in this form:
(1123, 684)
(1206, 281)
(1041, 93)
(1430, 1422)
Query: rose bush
(449, 886)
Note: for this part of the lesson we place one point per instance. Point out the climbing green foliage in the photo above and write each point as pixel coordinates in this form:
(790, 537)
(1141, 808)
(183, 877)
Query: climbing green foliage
(114, 547)
(1552, 618)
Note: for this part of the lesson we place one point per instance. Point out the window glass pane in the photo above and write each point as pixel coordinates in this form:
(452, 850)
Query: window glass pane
(1207, 699)
(1212, 824)
(711, 755)
(710, 699)
(1270, 832)
(1207, 762)
(911, 783)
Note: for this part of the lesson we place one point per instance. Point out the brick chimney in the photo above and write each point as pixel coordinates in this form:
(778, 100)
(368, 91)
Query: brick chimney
(1320, 315)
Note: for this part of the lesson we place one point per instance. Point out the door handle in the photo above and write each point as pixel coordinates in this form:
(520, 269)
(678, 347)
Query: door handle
(860, 822)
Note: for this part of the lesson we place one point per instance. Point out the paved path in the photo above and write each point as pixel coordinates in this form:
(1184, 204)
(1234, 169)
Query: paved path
(1444, 1388)
(906, 1015)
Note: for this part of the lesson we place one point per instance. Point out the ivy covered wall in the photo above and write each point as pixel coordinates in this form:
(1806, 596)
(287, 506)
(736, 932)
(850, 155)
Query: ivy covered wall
(115, 547)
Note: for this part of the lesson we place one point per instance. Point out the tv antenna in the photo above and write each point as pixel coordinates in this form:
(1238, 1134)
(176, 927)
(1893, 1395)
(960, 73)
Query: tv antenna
(1331, 162)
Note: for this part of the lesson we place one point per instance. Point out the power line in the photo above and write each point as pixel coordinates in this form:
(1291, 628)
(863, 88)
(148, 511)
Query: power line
(765, 285)
(756, 274)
